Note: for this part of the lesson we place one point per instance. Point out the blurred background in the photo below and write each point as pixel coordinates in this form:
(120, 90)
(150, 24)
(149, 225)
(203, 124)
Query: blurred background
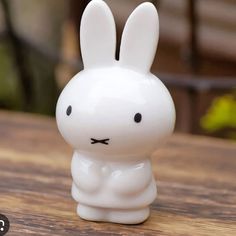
(196, 57)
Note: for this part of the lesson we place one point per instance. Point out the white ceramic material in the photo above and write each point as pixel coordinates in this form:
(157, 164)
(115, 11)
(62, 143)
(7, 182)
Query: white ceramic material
(115, 114)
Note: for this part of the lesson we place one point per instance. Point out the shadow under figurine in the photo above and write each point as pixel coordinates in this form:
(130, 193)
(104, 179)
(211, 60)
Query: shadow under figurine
(115, 114)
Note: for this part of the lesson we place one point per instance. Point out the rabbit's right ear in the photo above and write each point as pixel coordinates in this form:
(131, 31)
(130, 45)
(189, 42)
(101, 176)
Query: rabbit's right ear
(97, 35)
(140, 38)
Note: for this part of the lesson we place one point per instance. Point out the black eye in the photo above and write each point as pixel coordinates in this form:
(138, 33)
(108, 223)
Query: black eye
(68, 110)
(137, 117)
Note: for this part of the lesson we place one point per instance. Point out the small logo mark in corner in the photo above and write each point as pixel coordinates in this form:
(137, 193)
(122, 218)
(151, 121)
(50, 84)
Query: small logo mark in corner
(4, 225)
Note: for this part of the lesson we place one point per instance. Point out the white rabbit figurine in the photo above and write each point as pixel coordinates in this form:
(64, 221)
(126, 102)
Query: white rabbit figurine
(115, 114)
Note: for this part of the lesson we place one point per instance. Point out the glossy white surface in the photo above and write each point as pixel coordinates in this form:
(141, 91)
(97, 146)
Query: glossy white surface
(115, 114)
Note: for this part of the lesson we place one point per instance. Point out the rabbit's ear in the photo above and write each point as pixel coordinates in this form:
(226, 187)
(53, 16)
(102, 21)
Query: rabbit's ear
(140, 38)
(97, 35)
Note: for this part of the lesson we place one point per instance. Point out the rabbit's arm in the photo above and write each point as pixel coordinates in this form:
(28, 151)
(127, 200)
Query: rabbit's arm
(132, 180)
(75, 192)
(85, 174)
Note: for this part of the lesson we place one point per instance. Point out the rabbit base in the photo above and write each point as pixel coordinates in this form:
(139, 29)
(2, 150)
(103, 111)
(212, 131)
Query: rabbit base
(120, 216)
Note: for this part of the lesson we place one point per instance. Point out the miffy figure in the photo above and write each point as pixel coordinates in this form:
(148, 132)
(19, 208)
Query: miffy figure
(115, 114)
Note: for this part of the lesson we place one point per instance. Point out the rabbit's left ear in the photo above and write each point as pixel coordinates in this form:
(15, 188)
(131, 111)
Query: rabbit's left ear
(140, 38)
(97, 35)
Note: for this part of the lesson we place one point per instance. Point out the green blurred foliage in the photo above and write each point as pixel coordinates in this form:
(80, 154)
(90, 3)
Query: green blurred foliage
(10, 95)
(43, 80)
(221, 116)
(39, 22)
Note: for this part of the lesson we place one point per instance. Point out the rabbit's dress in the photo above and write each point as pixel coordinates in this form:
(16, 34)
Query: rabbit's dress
(111, 186)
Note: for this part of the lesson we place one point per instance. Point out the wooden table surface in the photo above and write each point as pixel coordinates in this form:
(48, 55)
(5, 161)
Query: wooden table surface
(196, 178)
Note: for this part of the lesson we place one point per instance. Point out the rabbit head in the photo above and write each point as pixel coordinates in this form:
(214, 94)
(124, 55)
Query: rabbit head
(116, 108)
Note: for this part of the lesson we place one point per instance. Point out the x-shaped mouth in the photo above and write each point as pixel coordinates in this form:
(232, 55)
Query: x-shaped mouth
(103, 141)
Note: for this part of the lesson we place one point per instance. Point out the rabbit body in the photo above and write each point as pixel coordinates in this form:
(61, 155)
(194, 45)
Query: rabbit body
(110, 186)
(96, 181)
(115, 114)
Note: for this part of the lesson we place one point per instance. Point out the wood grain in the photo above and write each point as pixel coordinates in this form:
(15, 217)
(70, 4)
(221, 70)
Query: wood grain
(196, 179)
